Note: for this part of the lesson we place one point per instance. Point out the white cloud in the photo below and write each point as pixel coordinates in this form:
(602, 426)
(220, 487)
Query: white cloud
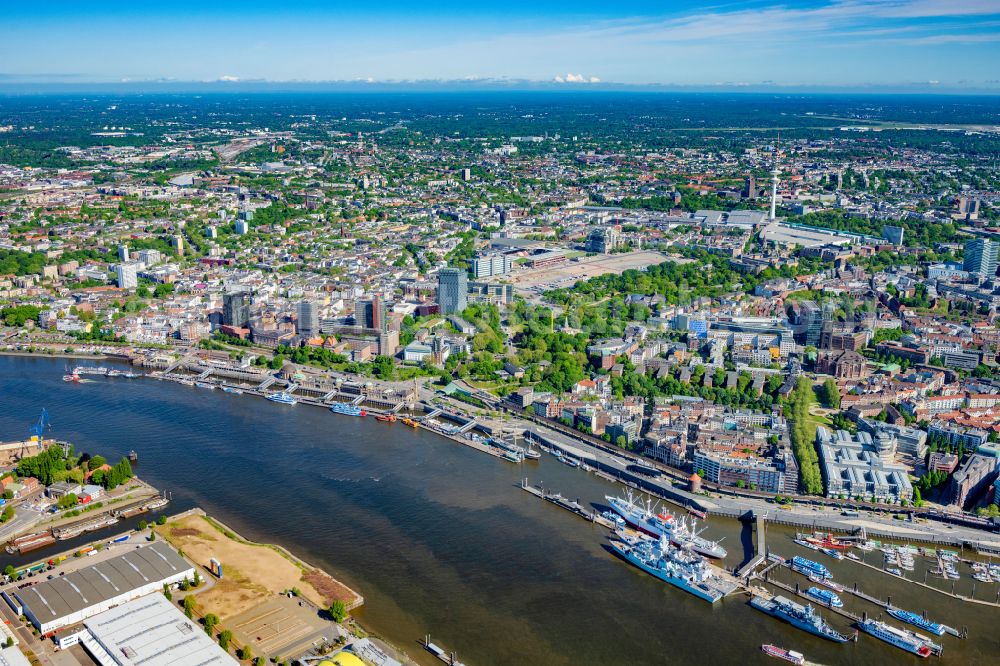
(576, 78)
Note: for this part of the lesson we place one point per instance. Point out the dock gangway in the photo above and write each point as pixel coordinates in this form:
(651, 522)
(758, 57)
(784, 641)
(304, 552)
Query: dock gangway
(467, 427)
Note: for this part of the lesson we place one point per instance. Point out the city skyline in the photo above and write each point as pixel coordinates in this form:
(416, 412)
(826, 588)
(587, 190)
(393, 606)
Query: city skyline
(909, 44)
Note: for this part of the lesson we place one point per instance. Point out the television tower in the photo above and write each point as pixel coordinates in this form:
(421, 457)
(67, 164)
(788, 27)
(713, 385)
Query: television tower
(774, 191)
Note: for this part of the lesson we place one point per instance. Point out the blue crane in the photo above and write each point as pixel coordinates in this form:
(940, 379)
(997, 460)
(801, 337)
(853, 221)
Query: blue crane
(38, 429)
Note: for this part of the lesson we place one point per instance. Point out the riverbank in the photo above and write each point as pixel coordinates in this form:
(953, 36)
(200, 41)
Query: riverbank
(55, 354)
(439, 540)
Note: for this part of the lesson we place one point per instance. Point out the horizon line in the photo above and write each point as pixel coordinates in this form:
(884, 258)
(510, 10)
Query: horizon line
(9, 84)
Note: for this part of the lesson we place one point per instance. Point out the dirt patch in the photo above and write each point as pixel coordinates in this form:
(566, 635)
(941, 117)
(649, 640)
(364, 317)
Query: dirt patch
(251, 572)
(232, 595)
(330, 589)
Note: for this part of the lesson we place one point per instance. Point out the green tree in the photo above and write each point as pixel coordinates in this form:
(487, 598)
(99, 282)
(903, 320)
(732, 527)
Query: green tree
(210, 621)
(224, 637)
(338, 611)
(96, 462)
(383, 367)
(189, 604)
(830, 394)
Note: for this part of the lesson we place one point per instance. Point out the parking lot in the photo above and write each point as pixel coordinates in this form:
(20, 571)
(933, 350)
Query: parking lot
(282, 626)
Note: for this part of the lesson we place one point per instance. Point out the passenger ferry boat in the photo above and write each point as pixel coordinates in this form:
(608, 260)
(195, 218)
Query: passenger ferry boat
(802, 565)
(663, 524)
(347, 409)
(282, 398)
(904, 639)
(918, 621)
(827, 597)
(792, 656)
(388, 418)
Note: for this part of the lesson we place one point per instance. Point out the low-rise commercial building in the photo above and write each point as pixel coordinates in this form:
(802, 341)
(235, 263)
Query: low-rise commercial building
(861, 466)
(66, 600)
(149, 631)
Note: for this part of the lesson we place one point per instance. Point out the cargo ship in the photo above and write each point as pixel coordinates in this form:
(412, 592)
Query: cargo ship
(901, 638)
(792, 656)
(282, 398)
(664, 524)
(799, 616)
(347, 409)
(30, 542)
(677, 566)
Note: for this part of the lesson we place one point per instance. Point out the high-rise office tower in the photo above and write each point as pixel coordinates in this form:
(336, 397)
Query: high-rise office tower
(453, 288)
(370, 313)
(127, 275)
(307, 322)
(981, 257)
(236, 308)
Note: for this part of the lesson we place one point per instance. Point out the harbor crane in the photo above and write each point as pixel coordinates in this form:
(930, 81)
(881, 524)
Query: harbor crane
(38, 429)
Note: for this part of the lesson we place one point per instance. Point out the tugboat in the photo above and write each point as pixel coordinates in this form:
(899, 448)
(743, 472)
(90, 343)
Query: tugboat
(133, 457)
(72, 376)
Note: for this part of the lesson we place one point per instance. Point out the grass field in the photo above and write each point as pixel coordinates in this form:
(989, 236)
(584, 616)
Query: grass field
(251, 572)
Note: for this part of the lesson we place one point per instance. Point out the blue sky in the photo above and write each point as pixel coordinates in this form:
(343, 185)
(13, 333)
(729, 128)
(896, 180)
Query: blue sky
(924, 43)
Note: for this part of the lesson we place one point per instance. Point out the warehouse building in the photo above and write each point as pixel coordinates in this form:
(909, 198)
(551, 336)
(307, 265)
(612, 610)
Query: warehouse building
(150, 631)
(70, 599)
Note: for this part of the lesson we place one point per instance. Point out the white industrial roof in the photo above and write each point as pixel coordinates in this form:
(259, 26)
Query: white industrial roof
(152, 631)
(13, 657)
